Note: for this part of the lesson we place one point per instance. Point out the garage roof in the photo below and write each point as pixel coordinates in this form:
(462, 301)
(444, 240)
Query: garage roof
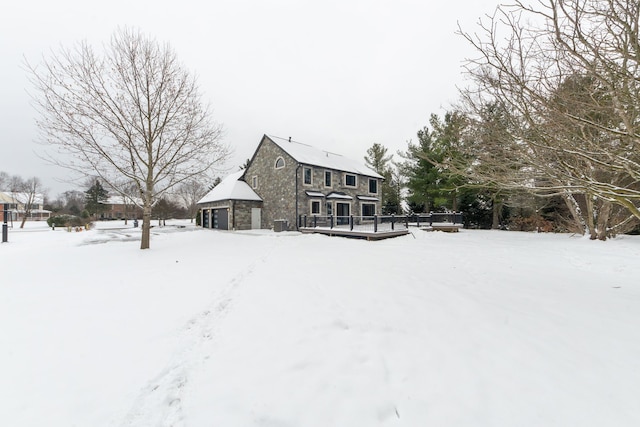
(231, 188)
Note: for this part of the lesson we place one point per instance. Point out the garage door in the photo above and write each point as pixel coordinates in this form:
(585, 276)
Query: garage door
(221, 219)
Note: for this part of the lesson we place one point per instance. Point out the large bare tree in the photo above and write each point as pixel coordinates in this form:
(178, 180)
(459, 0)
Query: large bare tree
(566, 73)
(129, 112)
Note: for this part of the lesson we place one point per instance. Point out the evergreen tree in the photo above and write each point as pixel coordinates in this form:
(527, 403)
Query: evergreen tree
(381, 162)
(95, 199)
(432, 186)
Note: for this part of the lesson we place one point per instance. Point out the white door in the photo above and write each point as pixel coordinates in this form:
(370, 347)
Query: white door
(256, 215)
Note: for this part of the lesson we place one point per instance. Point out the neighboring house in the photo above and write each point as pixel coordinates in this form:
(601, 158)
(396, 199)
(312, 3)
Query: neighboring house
(293, 179)
(16, 206)
(121, 207)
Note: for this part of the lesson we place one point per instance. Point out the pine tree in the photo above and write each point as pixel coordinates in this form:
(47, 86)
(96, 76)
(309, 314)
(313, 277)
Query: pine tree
(378, 160)
(95, 199)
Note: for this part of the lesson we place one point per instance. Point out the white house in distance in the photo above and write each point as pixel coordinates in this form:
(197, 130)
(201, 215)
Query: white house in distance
(16, 203)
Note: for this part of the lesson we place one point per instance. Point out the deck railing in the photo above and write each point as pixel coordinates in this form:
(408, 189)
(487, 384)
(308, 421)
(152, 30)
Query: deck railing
(379, 223)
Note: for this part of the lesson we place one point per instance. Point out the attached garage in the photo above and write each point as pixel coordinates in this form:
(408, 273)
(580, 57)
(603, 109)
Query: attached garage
(231, 205)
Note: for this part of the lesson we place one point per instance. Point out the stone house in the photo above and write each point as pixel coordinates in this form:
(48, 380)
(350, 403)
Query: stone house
(289, 180)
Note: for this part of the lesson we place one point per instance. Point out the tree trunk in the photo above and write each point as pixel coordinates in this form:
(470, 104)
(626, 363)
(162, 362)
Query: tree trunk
(603, 220)
(146, 225)
(496, 208)
(455, 200)
(591, 226)
(576, 213)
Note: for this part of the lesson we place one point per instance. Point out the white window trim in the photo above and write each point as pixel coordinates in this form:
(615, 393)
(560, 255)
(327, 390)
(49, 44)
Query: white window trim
(325, 179)
(275, 165)
(369, 185)
(311, 202)
(344, 177)
(311, 169)
(254, 181)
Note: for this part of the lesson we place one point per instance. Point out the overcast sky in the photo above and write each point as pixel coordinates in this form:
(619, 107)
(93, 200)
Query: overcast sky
(336, 74)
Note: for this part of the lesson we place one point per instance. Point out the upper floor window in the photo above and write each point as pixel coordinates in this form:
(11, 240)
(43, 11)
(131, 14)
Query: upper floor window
(327, 178)
(350, 180)
(373, 186)
(307, 176)
(254, 181)
(279, 163)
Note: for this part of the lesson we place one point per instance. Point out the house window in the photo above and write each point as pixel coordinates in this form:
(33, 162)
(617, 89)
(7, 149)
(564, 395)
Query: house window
(368, 209)
(307, 175)
(315, 207)
(329, 208)
(279, 163)
(254, 181)
(373, 186)
(327, 178)
(350, 180)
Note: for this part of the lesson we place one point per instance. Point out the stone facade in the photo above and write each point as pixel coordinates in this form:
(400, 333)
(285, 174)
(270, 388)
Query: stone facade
(279, 180)
(239, 212)
(277, 187)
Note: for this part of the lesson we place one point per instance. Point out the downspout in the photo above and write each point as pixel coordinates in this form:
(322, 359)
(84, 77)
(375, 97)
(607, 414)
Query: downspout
(297, 218)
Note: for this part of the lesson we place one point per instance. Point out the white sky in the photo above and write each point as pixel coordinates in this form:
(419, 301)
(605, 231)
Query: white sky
(339, 75)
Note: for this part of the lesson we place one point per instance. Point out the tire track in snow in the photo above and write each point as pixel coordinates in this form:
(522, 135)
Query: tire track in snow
(160, 401)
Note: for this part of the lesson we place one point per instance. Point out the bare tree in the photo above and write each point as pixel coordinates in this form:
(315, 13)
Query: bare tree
(565, 73)
(4, 179)
(190, 192)
(132, 113)
(27, 195)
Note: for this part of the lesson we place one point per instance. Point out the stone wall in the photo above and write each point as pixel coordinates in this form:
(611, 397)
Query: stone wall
(242, 212)
(278, 187)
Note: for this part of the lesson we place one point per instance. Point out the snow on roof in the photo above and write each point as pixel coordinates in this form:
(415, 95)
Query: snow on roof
(314, 194)
(231, 188)
(338, 195)
(13, 197)
(309, 155)
(368, 198)
(119, 199)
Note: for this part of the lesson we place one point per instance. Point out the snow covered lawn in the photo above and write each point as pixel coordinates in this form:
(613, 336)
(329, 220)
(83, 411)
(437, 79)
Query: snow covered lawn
(477, 328)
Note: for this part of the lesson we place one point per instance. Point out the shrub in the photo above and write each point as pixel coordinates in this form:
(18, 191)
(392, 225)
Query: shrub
(65, 221)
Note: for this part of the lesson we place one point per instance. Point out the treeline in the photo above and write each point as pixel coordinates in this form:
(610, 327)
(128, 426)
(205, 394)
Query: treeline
(547, 134)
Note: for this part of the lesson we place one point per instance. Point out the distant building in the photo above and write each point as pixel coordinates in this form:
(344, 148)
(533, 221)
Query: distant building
(16, 204)
(121, 207)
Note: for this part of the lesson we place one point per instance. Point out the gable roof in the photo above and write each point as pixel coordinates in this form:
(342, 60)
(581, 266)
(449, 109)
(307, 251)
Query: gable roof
(21, 198)
(231, 188)
(312, 156)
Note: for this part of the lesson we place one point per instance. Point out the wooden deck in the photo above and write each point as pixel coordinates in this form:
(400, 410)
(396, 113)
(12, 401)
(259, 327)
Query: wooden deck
(356, 234)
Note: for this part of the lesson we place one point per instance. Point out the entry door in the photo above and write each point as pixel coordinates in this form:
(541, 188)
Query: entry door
(342, 212)
(256, 218)
(205, 218)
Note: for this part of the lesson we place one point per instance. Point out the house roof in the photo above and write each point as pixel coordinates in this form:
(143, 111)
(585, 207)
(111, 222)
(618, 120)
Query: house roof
(20, 198)
(312, 156)
(231, 188)
(119, 199)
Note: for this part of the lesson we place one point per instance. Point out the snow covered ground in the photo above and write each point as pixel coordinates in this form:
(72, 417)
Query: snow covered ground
(477, 328)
